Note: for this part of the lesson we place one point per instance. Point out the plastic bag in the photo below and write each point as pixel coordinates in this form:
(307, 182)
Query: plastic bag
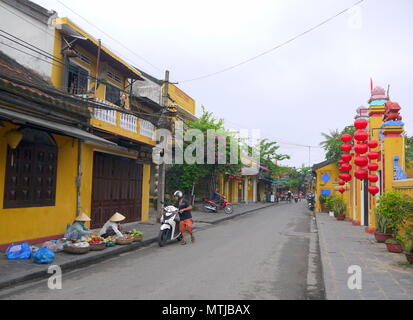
(44, 256)
(51, 245)
(19, 251)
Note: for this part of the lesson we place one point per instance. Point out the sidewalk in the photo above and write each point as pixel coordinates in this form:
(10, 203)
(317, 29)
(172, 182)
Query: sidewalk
(17, 271)
(385, 275)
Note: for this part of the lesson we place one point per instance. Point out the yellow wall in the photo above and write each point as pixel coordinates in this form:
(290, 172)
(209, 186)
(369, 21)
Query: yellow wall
(177, 96)
(37, 222)
(19, 224)
(332, 184)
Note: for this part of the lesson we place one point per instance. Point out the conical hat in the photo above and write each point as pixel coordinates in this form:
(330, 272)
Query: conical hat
(117, 217)
(82, 217)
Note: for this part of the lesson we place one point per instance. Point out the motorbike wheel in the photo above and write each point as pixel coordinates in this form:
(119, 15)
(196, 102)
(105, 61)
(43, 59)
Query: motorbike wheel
(163, 237)
(179, 238)
(228, 209)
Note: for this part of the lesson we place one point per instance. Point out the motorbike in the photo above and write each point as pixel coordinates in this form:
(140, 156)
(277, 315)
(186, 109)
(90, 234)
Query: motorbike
(311, 203)
(169, 226)
(296, 199)
(211, 206)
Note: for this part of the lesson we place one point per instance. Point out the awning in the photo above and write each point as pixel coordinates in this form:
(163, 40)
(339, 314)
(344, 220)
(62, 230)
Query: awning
(56, 127)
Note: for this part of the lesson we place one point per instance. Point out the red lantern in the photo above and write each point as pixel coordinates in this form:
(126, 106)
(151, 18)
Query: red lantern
(361, 161)
(361, 135)
(360, 124)
(346, 157)
(341, 183)
(373, 155)
(361, 174)
(372, 144)
(345, 176)
(346, 137)
(342, 190)
(373, 190)
(373, 178)
(341, 162)
(346, 147)
(345, 167)
(372, 166)
(361, 148)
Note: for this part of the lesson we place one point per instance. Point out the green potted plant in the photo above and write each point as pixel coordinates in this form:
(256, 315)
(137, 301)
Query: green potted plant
(329, 206)
(393, 245)
(323, 200)
(407, 243)
(382, 232)
(339, 208)
(394, 208)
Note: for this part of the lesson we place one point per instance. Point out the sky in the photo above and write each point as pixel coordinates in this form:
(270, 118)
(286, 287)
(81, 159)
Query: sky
(311, 85)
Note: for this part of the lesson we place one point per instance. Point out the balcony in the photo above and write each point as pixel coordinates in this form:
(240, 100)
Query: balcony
(123, 124)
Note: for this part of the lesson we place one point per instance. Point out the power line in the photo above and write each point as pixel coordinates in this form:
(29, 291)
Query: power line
(28, 21)
(110, 37)
(275, 47)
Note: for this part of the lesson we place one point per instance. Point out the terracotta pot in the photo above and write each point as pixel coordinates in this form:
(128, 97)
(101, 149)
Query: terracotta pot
(394, 247)
(340, 218)
(382, 237)
(409, 257)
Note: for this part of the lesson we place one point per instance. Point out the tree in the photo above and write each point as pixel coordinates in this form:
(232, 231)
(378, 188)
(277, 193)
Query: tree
(332, 143)
(185, 176)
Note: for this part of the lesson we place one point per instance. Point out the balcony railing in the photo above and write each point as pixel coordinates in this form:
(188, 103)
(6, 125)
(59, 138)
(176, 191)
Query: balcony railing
(128, 122)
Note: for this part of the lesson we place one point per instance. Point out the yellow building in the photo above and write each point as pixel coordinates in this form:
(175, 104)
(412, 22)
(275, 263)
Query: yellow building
(93, 142)
(385, 127)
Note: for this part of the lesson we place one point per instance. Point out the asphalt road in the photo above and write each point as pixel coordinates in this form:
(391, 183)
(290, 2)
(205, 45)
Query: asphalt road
(263, 255)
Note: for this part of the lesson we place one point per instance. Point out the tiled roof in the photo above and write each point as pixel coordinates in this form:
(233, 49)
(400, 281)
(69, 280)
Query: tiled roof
(23, 83)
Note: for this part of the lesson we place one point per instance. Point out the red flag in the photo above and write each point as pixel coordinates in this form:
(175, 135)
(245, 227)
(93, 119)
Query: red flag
(371, 84)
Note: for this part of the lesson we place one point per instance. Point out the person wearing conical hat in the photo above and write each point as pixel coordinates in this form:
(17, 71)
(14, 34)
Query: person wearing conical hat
(112, 226)
(78, 230)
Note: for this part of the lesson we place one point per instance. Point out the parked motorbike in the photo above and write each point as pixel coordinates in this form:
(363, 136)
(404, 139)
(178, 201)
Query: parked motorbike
(169, 226)
(311, 203)
(212, 206)
(296, 199)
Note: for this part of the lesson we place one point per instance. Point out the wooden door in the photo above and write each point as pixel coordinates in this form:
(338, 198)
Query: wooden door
(117, 187)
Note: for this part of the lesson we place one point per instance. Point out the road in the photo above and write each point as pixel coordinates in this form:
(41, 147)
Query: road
(262, 255)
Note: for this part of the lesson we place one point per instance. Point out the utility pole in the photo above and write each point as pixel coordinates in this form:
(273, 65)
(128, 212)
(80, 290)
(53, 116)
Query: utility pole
(164, 124)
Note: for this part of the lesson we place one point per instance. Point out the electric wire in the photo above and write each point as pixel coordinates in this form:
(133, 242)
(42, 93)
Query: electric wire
(275, 47)
(110, 37)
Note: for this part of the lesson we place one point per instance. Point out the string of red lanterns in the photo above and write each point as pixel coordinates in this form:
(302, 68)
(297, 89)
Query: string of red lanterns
(366, 167)
(346, 157)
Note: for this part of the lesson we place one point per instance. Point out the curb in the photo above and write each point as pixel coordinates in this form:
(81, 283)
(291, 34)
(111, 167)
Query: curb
(324, 262)
(232, 216)
(104, 255)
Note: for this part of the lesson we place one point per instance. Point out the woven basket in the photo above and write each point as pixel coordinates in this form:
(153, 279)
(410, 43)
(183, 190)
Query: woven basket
(123, 241)
(97, 246)
(75, 250)
(137, 238)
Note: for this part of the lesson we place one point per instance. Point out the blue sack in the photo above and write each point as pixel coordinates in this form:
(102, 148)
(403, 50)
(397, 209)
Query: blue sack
(18, 251)
(44, 256)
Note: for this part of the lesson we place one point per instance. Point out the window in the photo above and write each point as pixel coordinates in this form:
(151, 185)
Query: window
(77, 80)
(31, 171)
(114, 77)
(113, 94)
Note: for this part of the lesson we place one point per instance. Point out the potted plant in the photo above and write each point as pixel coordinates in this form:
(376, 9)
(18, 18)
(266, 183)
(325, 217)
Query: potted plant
(407, 244)
(394, 208)
(393, 245)
(329, 206)
(323, 200)
(339, 208)
(382, 233)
